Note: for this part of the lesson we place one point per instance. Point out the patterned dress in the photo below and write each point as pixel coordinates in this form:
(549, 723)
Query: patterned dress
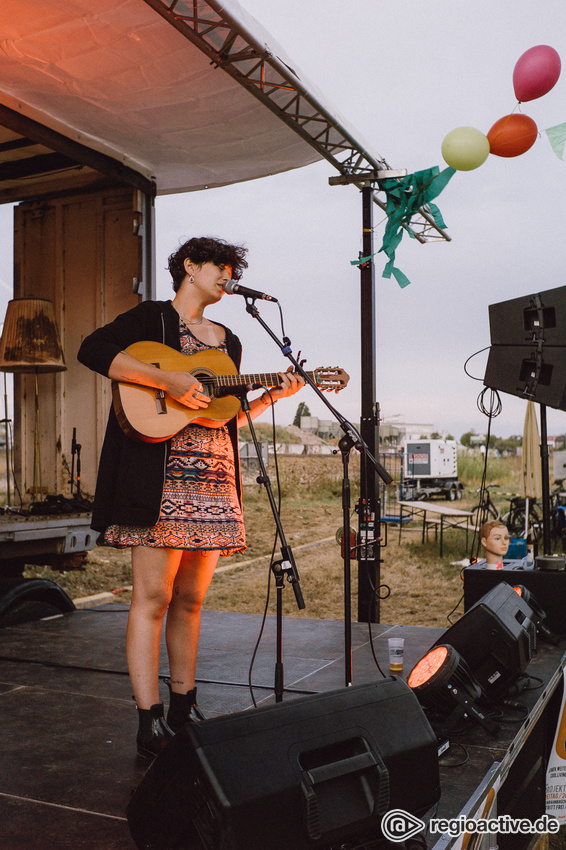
(200, 507)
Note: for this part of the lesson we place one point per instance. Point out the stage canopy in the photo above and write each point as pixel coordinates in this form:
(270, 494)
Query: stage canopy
(137, 81)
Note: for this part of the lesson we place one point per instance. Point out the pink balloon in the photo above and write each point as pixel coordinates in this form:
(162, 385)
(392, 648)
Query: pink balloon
(536, 72)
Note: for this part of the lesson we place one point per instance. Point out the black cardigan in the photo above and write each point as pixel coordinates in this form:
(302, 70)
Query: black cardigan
(131, 473)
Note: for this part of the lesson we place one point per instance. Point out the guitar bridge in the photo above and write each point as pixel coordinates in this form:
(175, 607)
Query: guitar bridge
(160, 396)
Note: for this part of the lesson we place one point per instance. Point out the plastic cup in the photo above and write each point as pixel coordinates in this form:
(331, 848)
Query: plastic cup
(396, 648)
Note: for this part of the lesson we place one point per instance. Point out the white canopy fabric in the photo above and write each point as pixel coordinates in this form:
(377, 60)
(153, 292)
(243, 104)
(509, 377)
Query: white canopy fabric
(117, 77)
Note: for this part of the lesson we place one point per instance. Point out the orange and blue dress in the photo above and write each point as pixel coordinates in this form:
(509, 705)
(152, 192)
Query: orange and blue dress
(200, 508)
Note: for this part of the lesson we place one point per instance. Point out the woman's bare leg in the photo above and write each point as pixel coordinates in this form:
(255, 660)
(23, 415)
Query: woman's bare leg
(154, 571)
(183, 619)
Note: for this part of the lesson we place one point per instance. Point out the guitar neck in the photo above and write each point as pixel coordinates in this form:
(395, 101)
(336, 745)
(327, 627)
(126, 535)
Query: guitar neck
(260, 379)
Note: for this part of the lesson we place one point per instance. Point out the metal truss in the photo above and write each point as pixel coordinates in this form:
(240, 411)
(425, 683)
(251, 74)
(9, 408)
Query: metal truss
(231, 47)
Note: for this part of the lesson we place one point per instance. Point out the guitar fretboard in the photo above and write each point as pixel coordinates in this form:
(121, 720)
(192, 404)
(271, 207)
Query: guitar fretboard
(262, 379)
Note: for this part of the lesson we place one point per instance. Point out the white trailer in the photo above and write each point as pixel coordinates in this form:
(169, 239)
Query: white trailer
(430, 468)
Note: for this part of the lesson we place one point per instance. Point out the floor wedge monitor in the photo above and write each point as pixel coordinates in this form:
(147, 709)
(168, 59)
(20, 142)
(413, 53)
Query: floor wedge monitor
(304, 773)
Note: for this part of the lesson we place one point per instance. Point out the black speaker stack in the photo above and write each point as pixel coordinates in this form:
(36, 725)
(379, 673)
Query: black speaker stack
(528, 347)
(308, 772)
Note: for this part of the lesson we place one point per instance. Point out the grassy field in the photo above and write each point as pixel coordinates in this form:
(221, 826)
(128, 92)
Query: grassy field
(424, 588)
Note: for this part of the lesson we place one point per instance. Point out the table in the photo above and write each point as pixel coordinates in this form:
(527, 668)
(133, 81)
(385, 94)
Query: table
(447, 517)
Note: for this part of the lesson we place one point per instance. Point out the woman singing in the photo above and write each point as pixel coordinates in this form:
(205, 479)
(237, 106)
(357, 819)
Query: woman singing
(177, 504)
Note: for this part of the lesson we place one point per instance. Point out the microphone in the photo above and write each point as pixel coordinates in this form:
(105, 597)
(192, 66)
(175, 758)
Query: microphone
(233, 288)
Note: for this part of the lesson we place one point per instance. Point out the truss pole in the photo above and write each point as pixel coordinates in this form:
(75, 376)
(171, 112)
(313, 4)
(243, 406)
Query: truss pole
(368, 506)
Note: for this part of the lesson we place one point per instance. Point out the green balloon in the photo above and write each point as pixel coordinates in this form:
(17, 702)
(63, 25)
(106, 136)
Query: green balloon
(465, 148)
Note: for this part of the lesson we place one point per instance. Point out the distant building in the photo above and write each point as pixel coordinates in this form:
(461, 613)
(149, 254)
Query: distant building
(326, 429)
(248, 455)
(390, 435)
(394, 430)
(310, 443)
(477, 440)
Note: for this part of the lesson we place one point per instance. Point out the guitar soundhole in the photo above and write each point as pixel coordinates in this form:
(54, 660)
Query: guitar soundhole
(207, 381)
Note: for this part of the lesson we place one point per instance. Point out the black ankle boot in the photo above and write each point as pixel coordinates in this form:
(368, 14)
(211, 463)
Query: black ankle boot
(182, 708)
(153, 731)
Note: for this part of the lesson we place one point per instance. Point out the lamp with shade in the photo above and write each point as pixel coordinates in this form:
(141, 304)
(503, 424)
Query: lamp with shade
(30, 344)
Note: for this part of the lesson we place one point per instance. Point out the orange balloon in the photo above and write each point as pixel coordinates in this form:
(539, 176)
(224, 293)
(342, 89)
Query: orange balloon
(512, 135)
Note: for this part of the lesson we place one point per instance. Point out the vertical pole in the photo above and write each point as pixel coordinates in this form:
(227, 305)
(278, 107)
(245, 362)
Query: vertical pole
(544, 468)
(346, 446)
(7, 433)
(279, 671)
(368, 506)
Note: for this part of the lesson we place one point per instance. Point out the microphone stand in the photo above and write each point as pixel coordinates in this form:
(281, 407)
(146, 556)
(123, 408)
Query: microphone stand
(283, 568)
(351, 439)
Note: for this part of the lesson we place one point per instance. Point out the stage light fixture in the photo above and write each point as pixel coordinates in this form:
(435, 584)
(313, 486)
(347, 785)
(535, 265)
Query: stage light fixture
(496, 638)
(477, 661)
(539, 615)
(444, 684)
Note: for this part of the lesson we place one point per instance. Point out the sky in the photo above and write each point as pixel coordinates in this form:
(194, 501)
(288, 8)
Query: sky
(403, 74)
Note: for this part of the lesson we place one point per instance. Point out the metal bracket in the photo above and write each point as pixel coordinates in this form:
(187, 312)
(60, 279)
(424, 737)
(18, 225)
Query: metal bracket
(365, 177)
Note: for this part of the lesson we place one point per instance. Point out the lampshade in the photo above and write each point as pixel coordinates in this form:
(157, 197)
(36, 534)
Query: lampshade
(30, 340)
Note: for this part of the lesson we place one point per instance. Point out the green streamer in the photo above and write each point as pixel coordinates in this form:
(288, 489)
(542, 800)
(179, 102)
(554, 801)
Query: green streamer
(405, 196)
(361, 260)
(557, 138)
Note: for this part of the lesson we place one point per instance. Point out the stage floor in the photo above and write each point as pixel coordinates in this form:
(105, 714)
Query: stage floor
(67, 752)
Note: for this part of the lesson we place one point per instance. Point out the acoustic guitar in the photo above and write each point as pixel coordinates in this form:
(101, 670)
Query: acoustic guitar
(150, 415)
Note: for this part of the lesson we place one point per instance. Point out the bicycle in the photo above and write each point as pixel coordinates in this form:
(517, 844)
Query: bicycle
(486, 508)
(530, 527)
(558, 514)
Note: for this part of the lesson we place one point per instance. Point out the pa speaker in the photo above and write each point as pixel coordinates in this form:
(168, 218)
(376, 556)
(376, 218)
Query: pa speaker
(305, 773)
(514, 322)
(528, 347)
(518, 370)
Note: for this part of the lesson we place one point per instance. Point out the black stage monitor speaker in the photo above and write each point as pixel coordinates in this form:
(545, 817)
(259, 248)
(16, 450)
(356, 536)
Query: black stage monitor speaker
(496, 638)
(528, 347)
(299, 774)
(548, 588)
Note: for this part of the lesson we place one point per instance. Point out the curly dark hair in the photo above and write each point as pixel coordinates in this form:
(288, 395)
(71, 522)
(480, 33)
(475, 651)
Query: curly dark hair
(206, 249)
